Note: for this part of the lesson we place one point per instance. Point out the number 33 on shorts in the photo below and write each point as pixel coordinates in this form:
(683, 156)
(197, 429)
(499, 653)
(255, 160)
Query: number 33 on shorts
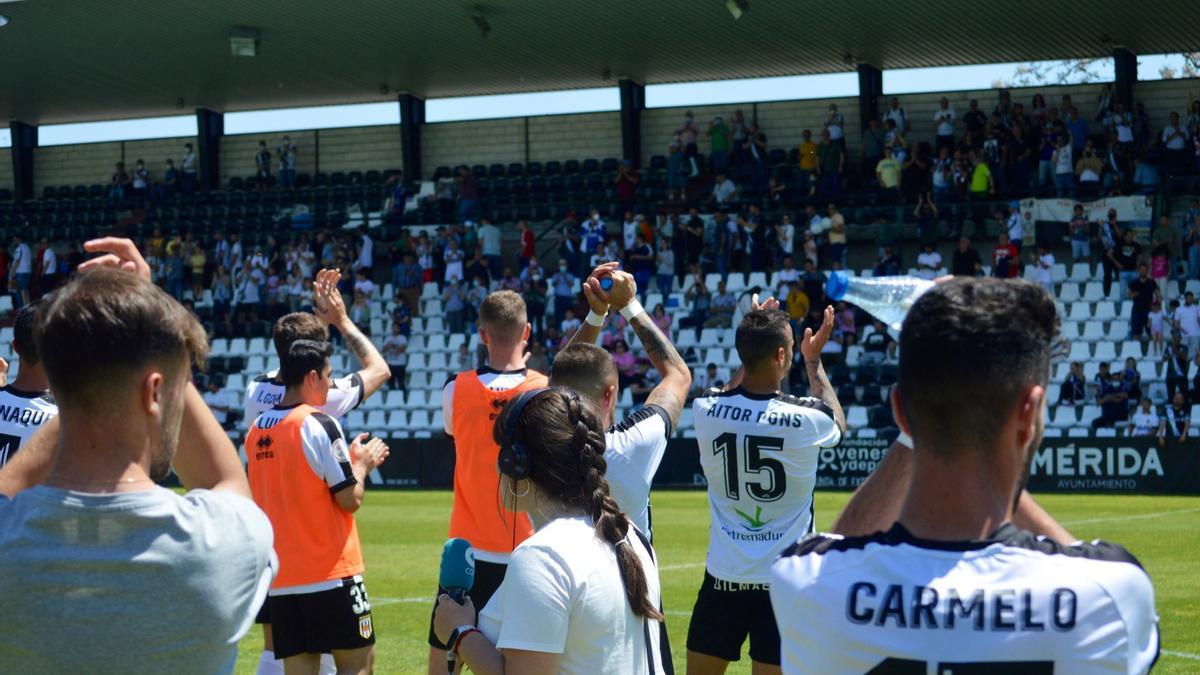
(361, 607)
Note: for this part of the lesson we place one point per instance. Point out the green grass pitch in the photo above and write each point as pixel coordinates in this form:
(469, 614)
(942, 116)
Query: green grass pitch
(403, 533)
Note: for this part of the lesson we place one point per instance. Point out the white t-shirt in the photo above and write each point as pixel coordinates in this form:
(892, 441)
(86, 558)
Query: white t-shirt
(1145, 423)
(724, 191)
(49, 262)
(897, 115)
(1172, 141)
(835, 122)
(862, 604)
(945, 121)
(22, 413)
(1016, 228)
(759, 455)
(395, 350)
(634, 448)
(264, 391)
(367, 287)
(562, 594)
(1188, 317)
(1044, 271)
(489, 239)
(787, 238)
(366, 255)
(629, 231)
(932, 259)
(220, 399)
(1065, 163)
(23, 259)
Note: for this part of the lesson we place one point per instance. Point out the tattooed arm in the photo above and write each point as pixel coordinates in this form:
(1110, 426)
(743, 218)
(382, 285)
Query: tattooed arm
(329, 307)
(818, 383)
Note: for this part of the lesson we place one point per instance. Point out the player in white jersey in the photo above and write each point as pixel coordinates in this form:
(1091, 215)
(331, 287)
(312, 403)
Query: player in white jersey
(759, 450)
(635, 445)
(348, 392)
(953, 586)
(26, 404)
(345, 393)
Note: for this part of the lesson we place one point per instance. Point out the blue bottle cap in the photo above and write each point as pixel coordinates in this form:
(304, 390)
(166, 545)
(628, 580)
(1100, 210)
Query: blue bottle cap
(837, 285)
(606, 283)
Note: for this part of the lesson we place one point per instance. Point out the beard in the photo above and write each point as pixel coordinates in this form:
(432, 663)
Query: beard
(168, 438)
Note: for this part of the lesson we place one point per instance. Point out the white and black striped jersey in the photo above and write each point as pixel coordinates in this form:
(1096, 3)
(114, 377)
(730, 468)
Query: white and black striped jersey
(1012, 603)
(22, 413)
(759, 454)
(634, 449)
(264, 391)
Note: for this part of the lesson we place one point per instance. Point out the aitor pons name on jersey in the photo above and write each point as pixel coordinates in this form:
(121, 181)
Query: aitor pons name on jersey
(992, 609)
(733, 413)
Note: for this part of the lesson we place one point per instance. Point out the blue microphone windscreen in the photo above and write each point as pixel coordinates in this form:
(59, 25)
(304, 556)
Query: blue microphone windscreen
(458, 565)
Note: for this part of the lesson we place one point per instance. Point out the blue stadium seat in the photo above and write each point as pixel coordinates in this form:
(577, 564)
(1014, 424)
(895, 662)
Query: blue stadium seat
(496, 171)
(553, 168)
(516, 169)
(590, 166)
(533, 169)
(571, 166)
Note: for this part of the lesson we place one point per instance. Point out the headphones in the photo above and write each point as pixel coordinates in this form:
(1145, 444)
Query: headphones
(513, 460)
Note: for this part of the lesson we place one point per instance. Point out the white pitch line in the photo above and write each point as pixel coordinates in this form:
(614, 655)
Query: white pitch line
(1143, 516)
(680, 566)
(393, 601)
(1168, 652)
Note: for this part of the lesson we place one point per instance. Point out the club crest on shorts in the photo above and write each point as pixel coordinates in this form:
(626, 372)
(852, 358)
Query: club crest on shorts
(364, 627)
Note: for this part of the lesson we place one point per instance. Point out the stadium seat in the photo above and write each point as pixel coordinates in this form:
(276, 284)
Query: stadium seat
(397, 420)
(1081, 272)
(256, 364)
(1053, 392)
(758, 279)
(356, 421)
(438, 361)
(435, 343)
(714, 355)
(1080, 311)
(1106, 432)
(1070, 330)
(1093, 291)
(417, 400)
(1105, 351)
(430, 290)
(685, 340)
(710, 337)
(416, 362)
(856, 417)
(239, 347)
(392, 400)
(1064, 417)
(433, 326)
(1093, 331)
(1089, 414)
(259, 345)
(437, 422)
(455, 341)
(235, 382)
(431, 307)
(854, 355)
(1105, 311)
(1131, 349)
(1058, 273)
(1118, 330)
(1068, 293)
(1080, 352)
(736, 283)
(220, 347)
(1051, 432)
(1079, 432)
(1148, 370)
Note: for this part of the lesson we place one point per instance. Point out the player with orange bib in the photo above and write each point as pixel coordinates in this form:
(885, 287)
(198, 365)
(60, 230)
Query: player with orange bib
(310, 484)
(471, 400)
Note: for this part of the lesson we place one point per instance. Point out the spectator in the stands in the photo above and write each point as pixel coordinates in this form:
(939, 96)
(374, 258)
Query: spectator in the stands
(364, 285)
(468, 193)
(402, 314)
(526, 243)
(219, 401)
(477, 267)
(873, 138)
(625, 362)
(1015, 225)
(454, 304)
(929, 261)
(563, 284)
(570, 324)
(489, 244)
(1145, 176)
(453, 260)
(1080, 231)
(1191, 240)
(665, 266)
(118, 185)
(887, 175)
(1178, 418)
(719, 135)
(139, 183)
(894, 138)
(1074, 388)
(689, 132)
(724, 191)
(532, 273)
(807, 164)
(1110, 237)
(360, 312)
(877, 344)
(1006, 261)
(1113, 400)
(1131, 379)
(1128, 254)
(537, 357)
(888, 264)
(1043, 267)
(797, 303)
(1175, 144)
(721, 308)
(1186, 321)
(287, 162)
(813, 280)
(677, 173)
(895, 114)
(756, 158)
(983, 186)
(1144, 293)
(169, 185)
(626, 182)
(629, 229)
(48, 266)
(661, 319)
(1077, 127)
(831, 161)
(222, 293)
(407, 277)
(943, 120)
(395, 352)
(1176, 371)
(262, 167)
(705, 379)
(1021, 158)
(974, 119)
(845, 326)
(1062, 160)
(187, 169)
(537, 298)
(1146, 423)
(835, 122)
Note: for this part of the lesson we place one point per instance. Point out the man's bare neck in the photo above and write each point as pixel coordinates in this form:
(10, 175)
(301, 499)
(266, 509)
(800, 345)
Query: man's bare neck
(956, 501)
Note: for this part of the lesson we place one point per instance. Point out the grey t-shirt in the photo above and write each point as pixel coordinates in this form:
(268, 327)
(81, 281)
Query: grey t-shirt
(134, 582)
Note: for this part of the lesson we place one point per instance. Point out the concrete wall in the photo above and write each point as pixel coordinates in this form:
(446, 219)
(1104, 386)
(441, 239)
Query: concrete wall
(562, 137)
(533, 139)
(6, 172)
(237, 152)
(93, 163)
(360, 149)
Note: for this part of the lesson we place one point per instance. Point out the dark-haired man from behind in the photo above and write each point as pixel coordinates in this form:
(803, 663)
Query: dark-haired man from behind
(172, 580)
(26, 404)
(309, 484)
(759, 450)
(345, 393)
(953, 585)
(635, 445)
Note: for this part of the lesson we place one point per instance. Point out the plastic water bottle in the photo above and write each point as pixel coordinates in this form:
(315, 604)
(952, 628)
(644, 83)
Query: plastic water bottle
(885, 298)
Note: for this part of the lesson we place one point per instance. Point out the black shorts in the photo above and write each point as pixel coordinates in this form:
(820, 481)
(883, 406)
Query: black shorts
(726, 613)
(320, 622)
(264, 612)
(488, 576)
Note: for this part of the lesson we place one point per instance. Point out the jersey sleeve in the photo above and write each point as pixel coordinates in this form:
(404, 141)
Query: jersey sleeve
(1133, 597)
(641, 440)
(448, 406)
(537, 602)
(345, 394)
(326, 451)
(826, 432)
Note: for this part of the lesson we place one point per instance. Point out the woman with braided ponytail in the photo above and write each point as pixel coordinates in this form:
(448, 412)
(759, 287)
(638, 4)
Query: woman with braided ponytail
(581, 595)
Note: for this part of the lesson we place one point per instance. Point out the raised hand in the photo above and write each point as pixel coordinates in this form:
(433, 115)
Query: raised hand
(370, 454)
(812, 344)
(119, 252)
(766, 305)
(623, 291)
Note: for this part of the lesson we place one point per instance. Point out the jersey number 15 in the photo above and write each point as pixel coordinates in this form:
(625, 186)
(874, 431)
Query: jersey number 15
(764, 490)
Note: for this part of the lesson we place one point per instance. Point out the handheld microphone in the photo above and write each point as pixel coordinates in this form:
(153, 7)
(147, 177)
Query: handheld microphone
(456, 576)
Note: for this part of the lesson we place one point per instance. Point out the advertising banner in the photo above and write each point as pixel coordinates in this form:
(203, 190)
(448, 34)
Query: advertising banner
(1138, 211)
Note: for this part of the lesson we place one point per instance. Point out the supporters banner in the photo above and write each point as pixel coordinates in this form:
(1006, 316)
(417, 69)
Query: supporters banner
(1135, 210)
(1115, 465)
(1132, 465)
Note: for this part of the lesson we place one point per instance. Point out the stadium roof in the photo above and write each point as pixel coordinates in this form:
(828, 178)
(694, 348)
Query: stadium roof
(76, 60)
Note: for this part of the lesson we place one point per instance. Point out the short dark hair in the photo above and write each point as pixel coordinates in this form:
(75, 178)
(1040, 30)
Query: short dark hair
(503, 314)
(106, 323)
(760, 335)
(303, 357)
(23, 342)
(968, 347)
(297, 326)
(583, 367)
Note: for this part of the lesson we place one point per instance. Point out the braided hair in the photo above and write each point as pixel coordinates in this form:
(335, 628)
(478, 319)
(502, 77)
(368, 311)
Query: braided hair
(566, 446)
